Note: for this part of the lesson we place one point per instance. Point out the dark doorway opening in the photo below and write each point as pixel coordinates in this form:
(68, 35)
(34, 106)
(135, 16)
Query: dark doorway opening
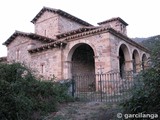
(83, 65)
(83, 60)
(121, 62)
(134, 63)
(144, 62)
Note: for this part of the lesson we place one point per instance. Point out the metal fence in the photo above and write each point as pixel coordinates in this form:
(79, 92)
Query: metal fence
(109, 87)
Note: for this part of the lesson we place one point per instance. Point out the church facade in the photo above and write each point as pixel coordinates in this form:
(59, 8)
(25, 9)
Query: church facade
(64, 45)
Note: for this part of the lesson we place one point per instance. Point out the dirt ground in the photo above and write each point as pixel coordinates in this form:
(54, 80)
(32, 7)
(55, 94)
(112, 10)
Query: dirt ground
(85, 111)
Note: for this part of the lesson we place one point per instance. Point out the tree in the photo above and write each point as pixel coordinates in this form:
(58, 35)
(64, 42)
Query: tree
(23, 97)
(145, 97)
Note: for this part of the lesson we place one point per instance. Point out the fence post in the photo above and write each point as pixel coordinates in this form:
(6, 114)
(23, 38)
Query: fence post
(101, 86)
(73, 86)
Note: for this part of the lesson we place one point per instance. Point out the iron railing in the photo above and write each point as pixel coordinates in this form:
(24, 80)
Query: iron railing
(109, 87)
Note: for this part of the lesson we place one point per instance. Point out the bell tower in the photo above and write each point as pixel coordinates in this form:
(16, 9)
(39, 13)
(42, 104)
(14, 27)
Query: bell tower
(117, 24)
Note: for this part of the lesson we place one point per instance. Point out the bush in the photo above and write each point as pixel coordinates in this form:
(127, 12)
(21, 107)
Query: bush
(22, 97)
(145, 97)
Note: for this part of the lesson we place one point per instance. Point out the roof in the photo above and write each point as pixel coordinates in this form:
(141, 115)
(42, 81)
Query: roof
(84, 32)
(100, 30)
(73, 32)
(29, 35)
(62, 13)
(48, 46)
(113, 19)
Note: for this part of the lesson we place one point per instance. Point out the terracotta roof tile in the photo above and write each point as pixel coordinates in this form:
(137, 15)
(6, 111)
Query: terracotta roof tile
(73, 32)
(48, 46)
(30, 35)
(62, 13)
(89, 32)
(113, 19)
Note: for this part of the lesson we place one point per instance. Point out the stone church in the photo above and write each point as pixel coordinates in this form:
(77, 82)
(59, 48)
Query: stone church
(64, 45)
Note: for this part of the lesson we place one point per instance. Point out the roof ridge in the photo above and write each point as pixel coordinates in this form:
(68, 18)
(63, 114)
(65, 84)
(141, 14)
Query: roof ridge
(113, 19)
(48, 46)
(79, 30)
(62, 13)
(30, 35)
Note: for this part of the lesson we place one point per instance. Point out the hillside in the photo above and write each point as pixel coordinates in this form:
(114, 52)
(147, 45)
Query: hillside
(150, 42)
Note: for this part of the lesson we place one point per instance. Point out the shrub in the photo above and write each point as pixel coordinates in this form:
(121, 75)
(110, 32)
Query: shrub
(145, 97)
(22, 97)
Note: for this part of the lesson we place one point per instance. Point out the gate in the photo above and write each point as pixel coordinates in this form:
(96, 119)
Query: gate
(109, 87)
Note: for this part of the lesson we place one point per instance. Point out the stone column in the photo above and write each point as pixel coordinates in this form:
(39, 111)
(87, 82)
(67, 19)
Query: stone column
(129, 65)
(67, 69)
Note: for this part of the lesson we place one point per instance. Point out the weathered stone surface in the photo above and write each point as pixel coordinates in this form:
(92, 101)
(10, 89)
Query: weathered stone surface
(57, 60)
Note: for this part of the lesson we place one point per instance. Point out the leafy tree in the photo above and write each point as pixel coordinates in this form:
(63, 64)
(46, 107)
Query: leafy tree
(22, 97)
(145, 95)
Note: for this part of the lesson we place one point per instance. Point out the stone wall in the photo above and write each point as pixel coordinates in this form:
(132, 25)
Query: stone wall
(47, 25)
(100, 46)
(50, 24)
(117, 25)
(115, 45)
(18, 50)
(57, 61)
(65, 25)
(47, 63)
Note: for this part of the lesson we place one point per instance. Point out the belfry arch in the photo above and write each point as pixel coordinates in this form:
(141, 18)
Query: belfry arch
(136, 61)
(124, 59)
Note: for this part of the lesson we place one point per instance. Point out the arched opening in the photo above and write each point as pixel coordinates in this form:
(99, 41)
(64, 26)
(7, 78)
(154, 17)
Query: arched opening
(124, 59)
(83, 60)
(135, 61)
(144, 61)
(121, 62)
(82, 65)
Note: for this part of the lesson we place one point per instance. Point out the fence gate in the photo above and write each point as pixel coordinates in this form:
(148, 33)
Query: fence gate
(108, 87)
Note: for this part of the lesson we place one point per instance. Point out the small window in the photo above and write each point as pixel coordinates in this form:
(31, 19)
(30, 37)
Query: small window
(45, 32)
(17, 54)
(122, 27)
(42, 68)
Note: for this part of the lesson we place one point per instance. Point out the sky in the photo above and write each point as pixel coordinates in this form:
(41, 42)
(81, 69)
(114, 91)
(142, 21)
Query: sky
(141, 15)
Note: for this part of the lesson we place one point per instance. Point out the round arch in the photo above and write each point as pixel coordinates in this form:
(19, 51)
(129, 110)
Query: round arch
(136, 61)
(81, 56)
(144, 61)
(75, 45)
(124, 59)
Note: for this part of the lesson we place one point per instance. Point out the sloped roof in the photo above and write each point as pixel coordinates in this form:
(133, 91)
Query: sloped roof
(30, 35)
(113, 19)
(76, 31)
(98, 30)
(48, 46)
(62, 13)
(66, 37)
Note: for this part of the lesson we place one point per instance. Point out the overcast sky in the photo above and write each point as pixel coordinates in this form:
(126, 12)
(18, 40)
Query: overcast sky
(141, 15)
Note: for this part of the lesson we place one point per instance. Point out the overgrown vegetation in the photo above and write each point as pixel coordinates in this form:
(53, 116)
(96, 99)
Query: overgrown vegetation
(22, 97)
(146, 96)
(151, 42)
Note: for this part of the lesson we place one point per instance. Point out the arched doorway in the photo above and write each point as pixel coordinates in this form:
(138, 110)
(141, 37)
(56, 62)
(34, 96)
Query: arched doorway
(83, 67)
(144, 61)
(124, 59)
(135, 61)
(83, 60)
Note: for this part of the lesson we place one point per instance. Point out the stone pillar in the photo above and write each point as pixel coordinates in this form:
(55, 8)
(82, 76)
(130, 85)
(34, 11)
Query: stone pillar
(128, 65)
(67, 69)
